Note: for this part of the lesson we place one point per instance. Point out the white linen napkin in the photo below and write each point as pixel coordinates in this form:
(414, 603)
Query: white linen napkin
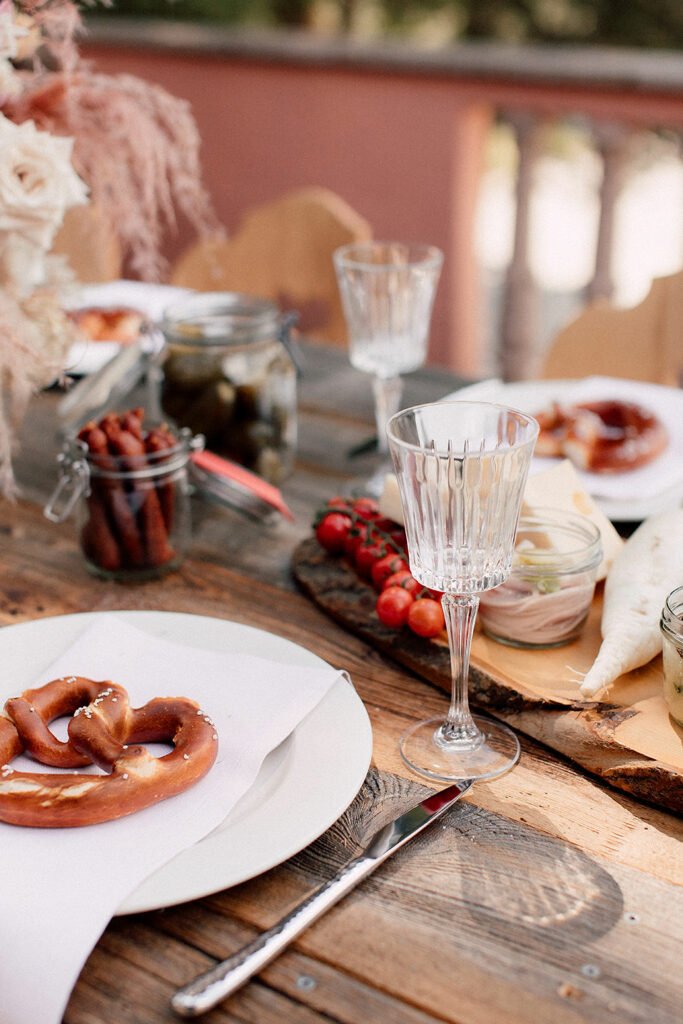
(60, 887)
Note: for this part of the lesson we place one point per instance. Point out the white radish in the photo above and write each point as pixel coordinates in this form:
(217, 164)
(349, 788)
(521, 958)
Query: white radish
(646, 570)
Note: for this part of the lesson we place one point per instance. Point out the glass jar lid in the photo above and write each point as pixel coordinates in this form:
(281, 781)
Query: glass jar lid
(220, 319)
(671, 622)
(77, 467)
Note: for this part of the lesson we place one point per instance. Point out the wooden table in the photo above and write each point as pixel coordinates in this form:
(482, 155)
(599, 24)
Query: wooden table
(544, 896)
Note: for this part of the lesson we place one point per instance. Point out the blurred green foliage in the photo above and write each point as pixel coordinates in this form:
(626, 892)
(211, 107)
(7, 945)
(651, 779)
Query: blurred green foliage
(639, 23)
(229, 12)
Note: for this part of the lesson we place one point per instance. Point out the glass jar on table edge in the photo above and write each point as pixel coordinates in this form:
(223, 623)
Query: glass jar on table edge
(133, 515)
(228, 370)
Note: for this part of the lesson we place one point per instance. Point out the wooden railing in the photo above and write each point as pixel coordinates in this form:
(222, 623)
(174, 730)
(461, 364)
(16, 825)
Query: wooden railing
(400, 134)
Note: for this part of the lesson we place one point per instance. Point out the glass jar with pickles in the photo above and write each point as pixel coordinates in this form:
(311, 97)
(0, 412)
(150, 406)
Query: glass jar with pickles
(227, 373)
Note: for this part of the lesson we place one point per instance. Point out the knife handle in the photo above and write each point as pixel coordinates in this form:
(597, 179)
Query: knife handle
(225, 978)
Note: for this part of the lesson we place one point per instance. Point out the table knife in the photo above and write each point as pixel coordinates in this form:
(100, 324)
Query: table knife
(225, 978)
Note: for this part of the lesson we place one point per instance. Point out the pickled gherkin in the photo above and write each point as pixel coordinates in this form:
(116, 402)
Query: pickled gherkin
(227, 375)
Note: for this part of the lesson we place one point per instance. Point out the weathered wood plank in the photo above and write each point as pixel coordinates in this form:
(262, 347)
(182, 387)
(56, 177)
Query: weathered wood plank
(319, 985)
(527, 933)
(515, 925)
(127, 979)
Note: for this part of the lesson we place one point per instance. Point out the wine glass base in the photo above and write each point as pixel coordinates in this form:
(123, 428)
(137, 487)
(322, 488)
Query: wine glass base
(497, 752)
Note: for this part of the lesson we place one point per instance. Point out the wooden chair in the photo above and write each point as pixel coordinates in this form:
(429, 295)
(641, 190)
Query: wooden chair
(90, 245)
(642, 343)
(282, 251)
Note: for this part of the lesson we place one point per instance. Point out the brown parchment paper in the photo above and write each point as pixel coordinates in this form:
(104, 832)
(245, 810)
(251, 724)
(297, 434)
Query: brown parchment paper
(555, 673)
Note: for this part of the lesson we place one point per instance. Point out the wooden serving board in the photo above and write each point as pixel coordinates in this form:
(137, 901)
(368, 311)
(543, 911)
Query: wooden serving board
(628, 740)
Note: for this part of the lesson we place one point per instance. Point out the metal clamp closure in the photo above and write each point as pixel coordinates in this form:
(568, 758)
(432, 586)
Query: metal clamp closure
(74, 480)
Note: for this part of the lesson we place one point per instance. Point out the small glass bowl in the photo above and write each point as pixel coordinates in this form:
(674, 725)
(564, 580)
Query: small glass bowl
(671, 625)
(546, 599)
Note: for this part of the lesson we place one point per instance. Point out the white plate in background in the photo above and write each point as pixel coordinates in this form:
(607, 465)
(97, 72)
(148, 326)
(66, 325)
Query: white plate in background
(86, 357)
(623, 497)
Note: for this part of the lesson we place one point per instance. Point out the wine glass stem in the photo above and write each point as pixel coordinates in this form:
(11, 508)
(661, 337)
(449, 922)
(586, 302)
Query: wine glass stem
(460, 612)
(387, 392)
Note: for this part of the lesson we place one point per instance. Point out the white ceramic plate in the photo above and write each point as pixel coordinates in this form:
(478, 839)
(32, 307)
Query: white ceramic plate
(86, 357)
(303, 786)
(623, 497)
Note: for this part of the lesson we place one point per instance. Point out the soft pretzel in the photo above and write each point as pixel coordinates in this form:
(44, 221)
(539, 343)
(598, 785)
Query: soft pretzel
(103, 324)
(552, 430)
(602, 437)
(104, 731)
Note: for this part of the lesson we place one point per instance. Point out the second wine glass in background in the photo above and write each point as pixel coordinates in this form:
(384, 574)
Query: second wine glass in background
(387, 291)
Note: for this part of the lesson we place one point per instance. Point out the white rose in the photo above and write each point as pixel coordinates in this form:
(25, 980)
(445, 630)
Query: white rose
(8, 30)
(10, 83)
(37, 181)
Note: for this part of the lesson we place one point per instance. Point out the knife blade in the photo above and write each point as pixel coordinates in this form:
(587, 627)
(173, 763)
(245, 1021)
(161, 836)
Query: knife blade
(221, 981)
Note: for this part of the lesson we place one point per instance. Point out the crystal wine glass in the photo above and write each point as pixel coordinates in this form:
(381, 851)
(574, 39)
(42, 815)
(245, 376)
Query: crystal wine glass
(387, 291)
(461, 469)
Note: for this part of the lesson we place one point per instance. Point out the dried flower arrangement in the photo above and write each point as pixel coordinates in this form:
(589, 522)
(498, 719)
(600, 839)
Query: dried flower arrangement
(69, 135)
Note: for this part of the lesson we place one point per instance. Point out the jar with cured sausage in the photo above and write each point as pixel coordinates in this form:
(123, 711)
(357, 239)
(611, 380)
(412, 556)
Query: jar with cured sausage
(671, 624)
(132, 508)
(228, 374)
(547, 596)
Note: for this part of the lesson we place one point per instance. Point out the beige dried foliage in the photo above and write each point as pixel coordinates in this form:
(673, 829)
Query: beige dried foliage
(138, 149)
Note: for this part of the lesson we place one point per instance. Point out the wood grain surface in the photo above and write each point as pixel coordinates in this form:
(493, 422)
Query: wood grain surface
(545, 896)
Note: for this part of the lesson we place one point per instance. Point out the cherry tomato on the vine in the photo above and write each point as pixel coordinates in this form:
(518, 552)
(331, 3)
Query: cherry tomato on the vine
(387, 525)
(357, 536)
(332, 531)
(403, 578)
(385, 567)
(398, 536)
(393, 606)
(365, 508)
(425, 617)
(366, 556)
(339, 503)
